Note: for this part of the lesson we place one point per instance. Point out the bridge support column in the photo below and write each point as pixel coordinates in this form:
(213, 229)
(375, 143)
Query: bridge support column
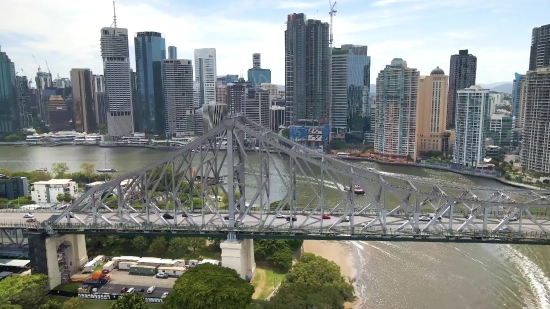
(57, 257)
(239, 255)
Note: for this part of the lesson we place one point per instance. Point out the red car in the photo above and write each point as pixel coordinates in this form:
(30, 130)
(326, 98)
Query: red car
(325, 217)
(123, 290)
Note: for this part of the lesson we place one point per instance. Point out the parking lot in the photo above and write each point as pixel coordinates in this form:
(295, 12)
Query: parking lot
(121, 278)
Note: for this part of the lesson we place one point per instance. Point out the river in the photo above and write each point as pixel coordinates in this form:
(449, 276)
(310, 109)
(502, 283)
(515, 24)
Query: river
(391, 275)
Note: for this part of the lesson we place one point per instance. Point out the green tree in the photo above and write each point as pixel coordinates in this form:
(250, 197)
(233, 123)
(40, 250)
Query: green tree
(60, 197)
(195, 243)
(209, 286)
(178, 246)
(285, 133)
(9, 306)
(12, 138)
(74, 303)
(282, 259)
(51, 304)
(29, 292)
(67, 198)
(87, 169)
(102, 128)
(59, 169)
(140, 243)
(158, 245)
(130, 301)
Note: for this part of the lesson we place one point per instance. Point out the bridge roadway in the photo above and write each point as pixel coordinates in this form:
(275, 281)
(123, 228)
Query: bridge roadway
(521, 231)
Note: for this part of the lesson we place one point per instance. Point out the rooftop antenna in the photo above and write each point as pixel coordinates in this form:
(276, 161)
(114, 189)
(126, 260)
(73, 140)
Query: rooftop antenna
(114, 14)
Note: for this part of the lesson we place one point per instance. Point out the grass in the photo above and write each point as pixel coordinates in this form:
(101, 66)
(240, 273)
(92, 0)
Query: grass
(100, 267)
(99, 304)
(68, 287)
(266, 279)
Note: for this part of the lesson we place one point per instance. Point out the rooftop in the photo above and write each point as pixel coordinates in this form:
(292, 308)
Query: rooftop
(53, 182)
(14, 263)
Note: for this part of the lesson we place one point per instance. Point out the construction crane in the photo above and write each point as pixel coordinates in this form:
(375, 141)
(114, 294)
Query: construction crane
(47, 66)
(331, 13)
(39, 70)
(29, 78)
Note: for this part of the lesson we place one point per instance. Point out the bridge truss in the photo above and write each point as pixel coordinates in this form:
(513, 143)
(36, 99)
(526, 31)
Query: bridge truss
(243, 178)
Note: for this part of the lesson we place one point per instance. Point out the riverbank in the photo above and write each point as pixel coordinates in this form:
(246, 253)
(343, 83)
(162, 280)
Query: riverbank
(339, 253)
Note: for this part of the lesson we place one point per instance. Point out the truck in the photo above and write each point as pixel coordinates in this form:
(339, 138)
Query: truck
(95, 284)
(98, 275)
(143, 270)
(108, 267)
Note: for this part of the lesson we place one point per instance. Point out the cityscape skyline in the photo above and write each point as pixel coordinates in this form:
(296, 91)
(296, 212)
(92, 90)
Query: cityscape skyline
(377, 29)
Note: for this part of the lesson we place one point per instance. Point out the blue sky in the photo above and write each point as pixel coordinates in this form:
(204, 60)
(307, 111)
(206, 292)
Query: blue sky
(423, 32)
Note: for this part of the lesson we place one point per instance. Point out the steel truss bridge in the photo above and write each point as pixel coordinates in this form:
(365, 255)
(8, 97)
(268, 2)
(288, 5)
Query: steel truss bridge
(217, 189)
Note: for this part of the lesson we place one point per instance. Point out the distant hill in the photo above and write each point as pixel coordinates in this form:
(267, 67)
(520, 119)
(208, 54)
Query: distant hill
(506, 88)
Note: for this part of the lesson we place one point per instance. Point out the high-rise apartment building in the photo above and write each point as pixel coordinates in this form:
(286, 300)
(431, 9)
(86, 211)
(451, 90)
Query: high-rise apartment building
(23, 103)
(516, 98)
(500, 130)
(236, 93)
(221, 93)
(307, 65)
(350, 91)
(8, 117)
(99, 83)
(431, 111)
(257, 75)
(172, 52)
(177, 81)
(150, 112)
(535, 144)
(118, 83)
(205, 74)
(256, 106)
(396, 102)
(84, 112)
(540, 48)
(462, 75)
(473, 120)
(43, 82)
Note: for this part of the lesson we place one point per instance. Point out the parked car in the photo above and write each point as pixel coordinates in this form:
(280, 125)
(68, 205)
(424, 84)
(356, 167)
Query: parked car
(151, 290)
(424, 218)
(162, 275)
(345, 219)
(293, 218)
(184, 215)
(29, 215)
(124, 290)
(164, 295)
(325, 217)
(168, 216)
(130, 290)
(141, 290)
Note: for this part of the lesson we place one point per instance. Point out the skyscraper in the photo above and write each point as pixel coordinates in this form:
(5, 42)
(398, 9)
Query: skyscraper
(306, 69)
(256, 106)
(396, 101)
(350, 91)
(473, 119)
(205, 74)
(84, 112)
(431, 111)
(177, 81)
(516, 98)
(535, 145)
(150, 52)
(462, 75)
(99, 83)
(257, 75)
(172, 52)
(118, 84)
(8, 117)
(540, 48)
(60, 117)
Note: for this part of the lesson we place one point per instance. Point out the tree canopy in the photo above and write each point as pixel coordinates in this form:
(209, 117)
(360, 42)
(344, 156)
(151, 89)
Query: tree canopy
(29, 292)
(74, 303)
(130, 301)
(51, 304)
(209, 286)
(276, 252)
(313, 282)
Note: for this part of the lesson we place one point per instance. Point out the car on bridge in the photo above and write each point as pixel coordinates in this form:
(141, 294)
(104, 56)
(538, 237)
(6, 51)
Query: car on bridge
(325, 217)
(28, 216)
(280, 216)
(31, 220)
(167, 216)
(293, 218)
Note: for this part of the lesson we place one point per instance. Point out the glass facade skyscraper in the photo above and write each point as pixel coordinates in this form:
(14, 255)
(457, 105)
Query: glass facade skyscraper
(8, 119)
(150, 52)
(258, 76)
(462, 74)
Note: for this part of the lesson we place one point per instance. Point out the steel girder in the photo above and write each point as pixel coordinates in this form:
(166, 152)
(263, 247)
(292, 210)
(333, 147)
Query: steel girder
(204, 185)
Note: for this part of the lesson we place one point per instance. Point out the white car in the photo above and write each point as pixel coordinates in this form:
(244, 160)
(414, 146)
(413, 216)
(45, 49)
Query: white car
(281, 216)
(130, 290)
(27, 216)
(164, 295)
(151, 290)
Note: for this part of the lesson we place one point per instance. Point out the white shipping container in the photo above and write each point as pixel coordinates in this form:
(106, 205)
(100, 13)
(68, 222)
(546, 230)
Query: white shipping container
(172, 271)
(109, 266)
(89, 267)
(126, 265)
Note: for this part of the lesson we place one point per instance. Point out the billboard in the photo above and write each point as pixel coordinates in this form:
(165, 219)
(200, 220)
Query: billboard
(309, 133)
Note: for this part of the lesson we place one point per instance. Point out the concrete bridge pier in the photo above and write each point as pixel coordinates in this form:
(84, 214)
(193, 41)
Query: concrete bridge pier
(238, 254)
(58, 257)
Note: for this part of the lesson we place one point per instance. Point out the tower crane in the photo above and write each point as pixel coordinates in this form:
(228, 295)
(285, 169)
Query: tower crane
(39, 70)
(331, 13)
(47, 66)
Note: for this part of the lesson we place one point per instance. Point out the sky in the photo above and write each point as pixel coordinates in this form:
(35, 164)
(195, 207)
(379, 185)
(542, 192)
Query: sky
(66, 33)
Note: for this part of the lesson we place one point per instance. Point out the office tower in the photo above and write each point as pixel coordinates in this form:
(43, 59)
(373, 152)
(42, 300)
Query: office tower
(462, 74)
(256, 106)
(535, 145)
(226, 79)
(396, 102)
(60, 117)
(236, 93)
(149, 112)
(213, 114)
(306, 69)
(172, 52)
(257, 75)
(177, 82)
(516, 98)
(101, 104)
(276, 117)
(205, 74)
(221, 93)
(8, 119)
(118, 84)
(256, 61)
(350, 92)
(473, 119)
(84, 112)
(431, 111)
(99, 83)
(500, 130)
(540, 48)
(23, 102)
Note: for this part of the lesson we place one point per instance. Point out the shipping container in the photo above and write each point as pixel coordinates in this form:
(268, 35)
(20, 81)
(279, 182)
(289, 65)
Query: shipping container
(109, 266)
(99, 259)
(172, 271)
(119, 259)
(126, 265)
(89, 267)
(143, 270)
(179, 263)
